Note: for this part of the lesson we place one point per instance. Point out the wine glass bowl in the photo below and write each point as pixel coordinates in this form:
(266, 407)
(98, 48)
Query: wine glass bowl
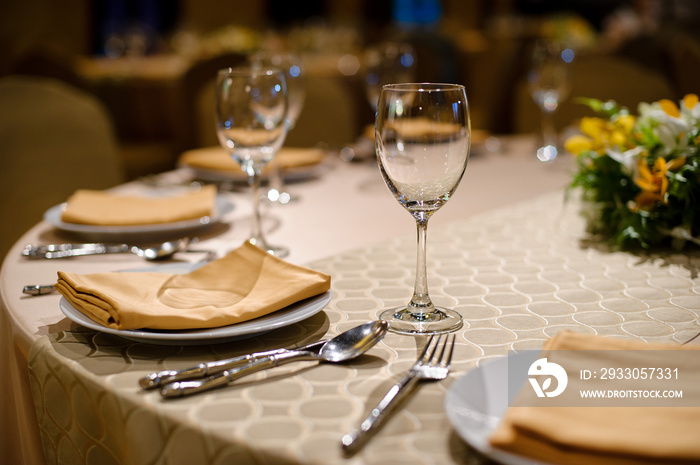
(295, 76)
(251, 124)
(548, 83)
(423, 139)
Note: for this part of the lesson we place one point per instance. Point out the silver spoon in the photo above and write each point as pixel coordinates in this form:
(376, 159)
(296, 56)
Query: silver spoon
(343, 347)
(158, 252)
(161, 378)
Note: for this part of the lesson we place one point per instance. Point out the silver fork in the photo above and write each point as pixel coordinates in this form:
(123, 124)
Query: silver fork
(429, 367)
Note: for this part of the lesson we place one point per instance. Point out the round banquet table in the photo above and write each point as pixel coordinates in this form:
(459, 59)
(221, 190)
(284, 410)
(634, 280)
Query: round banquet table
(507, 251)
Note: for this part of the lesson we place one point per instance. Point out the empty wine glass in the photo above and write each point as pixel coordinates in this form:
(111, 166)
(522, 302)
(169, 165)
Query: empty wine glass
(294, 73)
(389, 62)
(423, 138)
(548, 82)
(251, 123)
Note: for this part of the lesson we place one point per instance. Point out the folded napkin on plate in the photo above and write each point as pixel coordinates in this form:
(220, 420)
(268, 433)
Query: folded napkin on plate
(421, 127)
(246, 283)
(107, 209)
(605, 435)
(478, 136)
(218, 159)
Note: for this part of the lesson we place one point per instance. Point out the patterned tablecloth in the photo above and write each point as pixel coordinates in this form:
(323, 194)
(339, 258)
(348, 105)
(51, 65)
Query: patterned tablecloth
(518, 275)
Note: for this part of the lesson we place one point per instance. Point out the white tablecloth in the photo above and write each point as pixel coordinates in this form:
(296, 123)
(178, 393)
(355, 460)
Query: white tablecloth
(334, 224)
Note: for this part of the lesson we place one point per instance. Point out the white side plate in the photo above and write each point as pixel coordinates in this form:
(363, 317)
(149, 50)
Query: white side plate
(476, 403)
(287, 316)
(53, 217)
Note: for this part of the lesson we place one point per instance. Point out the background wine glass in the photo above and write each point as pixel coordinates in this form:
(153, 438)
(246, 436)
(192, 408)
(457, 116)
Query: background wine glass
(423, 138)
(388, 62)
(251, 124)
(548, 82)
(295, 75)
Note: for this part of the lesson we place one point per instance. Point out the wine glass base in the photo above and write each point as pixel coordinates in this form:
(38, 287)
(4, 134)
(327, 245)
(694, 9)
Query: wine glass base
(403, 321)
(547, 153)
(282, 198)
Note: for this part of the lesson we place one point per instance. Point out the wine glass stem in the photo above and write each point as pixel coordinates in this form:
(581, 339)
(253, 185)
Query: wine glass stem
(256, 236)
(420, 302)
(549, 133)
(276, 181)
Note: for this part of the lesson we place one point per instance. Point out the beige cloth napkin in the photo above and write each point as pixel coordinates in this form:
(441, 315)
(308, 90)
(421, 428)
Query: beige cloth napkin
(218, 159)
(421, 127)
(246, 283)
(108, 209)
(604, 435)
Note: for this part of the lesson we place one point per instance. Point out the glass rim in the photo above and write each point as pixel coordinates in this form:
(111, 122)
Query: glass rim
(423, 86)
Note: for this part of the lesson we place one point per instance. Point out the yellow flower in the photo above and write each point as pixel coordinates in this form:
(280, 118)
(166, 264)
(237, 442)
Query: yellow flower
(676, 163)
(690, 100)
(670, 108)
(654, 181)
(626, 123)
(690, 108)
(577, 144)
(600, 135)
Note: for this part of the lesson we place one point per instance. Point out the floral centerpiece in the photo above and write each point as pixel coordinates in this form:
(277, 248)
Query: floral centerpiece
(640, 176)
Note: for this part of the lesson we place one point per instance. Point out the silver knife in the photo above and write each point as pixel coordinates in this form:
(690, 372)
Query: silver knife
(38, 289)
(161, 378)
(72, 250)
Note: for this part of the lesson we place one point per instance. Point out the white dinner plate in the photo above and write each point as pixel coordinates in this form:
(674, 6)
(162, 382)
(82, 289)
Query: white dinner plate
(281, 318)
(53, 217)
(476, 403)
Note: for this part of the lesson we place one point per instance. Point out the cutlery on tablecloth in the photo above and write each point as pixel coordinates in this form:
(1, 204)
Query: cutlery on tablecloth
(345, 346)
(43, 289)
(158, 252)
(38, 289)
(202, 370)
(429, 367)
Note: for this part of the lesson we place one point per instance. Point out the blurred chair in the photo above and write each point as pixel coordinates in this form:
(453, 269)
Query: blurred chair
(604, 77)
(684, 53)
(437, 58)
(49, 61)
(329, 116)
(494, 75)
(54, 139)
(197, 123)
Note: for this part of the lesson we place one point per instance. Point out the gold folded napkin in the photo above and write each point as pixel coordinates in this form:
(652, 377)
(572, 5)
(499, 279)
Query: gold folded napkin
(218, 159)
(420, 127)
(247, 283)
(605, 435)
(108, 209)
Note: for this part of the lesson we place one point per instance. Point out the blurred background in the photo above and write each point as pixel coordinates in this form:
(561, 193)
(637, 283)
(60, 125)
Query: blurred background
(149, 62)
(97, 92)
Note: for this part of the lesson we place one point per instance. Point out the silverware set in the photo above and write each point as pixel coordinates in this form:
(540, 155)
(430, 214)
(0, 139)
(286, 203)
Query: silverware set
(433, 364)
(157, 252)
(57, 251)
(206, 376)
